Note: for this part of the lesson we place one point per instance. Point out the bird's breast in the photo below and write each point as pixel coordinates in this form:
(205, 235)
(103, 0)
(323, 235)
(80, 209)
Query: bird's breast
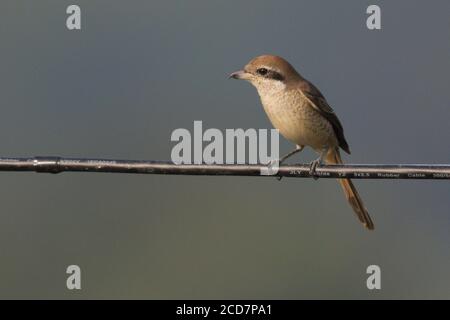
(297, 121)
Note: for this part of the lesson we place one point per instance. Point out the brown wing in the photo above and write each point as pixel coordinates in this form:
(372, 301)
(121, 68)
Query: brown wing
(319, 103)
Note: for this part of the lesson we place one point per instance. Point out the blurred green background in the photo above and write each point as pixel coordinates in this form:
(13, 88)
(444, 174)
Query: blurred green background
(140, 69)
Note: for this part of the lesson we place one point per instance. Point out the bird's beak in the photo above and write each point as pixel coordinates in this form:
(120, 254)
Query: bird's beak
(240, 75)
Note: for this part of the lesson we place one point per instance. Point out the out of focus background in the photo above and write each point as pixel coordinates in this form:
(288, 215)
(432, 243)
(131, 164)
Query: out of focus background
(140, 69)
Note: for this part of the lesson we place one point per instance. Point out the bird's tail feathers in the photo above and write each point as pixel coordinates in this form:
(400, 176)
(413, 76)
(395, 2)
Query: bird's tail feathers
(352, 195)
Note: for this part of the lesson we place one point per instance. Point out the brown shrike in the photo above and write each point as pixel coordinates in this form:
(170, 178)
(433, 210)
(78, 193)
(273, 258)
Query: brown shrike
(302, 115)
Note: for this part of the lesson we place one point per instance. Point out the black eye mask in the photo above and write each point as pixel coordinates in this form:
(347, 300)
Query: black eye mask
(270, 74)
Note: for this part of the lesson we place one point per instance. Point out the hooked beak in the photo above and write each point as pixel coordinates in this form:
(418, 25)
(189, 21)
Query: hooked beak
(240, 75)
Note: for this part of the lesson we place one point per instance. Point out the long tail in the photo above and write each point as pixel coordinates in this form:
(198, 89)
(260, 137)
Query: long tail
(334, 157)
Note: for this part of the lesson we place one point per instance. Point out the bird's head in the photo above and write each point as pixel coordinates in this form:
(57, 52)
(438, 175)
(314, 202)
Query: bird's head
(268, 73)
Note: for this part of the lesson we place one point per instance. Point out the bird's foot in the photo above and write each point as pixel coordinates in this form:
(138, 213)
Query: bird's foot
(312, 168)
(278, 164)
(283, 158)
(275, 163)
(279, 177)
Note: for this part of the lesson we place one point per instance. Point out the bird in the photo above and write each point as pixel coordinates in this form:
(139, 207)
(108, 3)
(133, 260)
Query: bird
(303, 116)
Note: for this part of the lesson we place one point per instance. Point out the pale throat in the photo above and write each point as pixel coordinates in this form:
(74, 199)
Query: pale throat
(270, 88)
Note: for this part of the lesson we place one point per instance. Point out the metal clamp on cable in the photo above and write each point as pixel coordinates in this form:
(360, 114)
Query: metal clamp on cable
(48, 164)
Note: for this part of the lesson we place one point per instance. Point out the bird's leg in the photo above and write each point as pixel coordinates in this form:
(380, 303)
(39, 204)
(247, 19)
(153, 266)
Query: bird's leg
(296, 150)
(283, 158)
(313, 165)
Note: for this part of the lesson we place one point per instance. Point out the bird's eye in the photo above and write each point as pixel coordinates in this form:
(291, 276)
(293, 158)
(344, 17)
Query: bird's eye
(262, 71)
